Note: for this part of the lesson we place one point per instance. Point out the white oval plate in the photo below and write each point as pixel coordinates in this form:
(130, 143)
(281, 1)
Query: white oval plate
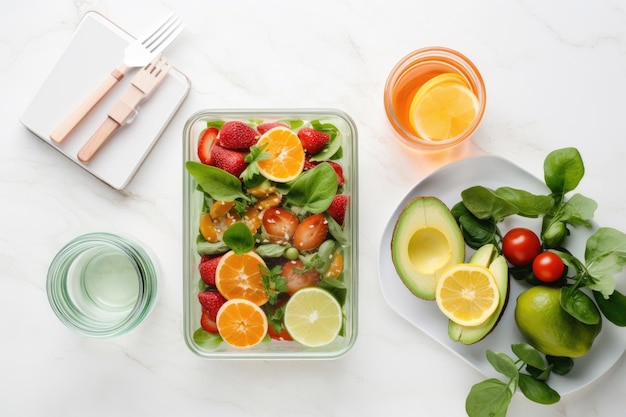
(447, 184)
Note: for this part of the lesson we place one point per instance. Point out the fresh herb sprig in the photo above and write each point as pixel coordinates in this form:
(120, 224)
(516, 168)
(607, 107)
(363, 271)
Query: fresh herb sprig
(491, 397)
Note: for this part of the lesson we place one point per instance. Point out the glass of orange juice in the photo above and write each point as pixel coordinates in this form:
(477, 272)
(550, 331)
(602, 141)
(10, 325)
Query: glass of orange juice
(434, 98)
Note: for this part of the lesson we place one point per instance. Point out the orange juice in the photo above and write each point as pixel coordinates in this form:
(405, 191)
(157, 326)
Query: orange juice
(411, 73)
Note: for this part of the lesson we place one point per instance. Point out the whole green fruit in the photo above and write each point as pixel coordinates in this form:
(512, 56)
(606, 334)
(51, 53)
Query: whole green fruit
(550, 329)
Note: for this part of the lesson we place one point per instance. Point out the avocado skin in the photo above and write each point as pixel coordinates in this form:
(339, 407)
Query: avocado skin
(487, 256)
(425, 225)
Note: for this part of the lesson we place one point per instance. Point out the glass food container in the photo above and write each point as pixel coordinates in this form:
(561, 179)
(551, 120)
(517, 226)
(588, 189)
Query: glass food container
(207, 344)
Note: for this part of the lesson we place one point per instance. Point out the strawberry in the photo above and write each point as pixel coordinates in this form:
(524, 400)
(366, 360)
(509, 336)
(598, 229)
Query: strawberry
(237, 135)
(337, 208)
(282, 335)
(298, 276)
(279, 225)
(310, 233)
(211, 301)
(208, 323)
(308, 164)
(205, 145)
(207, 268)
(313, 140)
(230, 161)
(339, 171)
(264, 127)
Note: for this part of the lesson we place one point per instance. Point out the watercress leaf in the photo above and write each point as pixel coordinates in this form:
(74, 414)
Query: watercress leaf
(537, 391)
(502, 363)
(239, 238)
(561, 365)
(219, 184)
(484, 203)
(314, 189)
(528, 204)
(529, 354)
(489, 398)
(613, 307)
(579, 305)
(563, 170)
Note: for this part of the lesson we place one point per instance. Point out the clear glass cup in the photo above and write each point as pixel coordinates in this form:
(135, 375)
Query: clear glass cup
(410, 73)
(102, 285)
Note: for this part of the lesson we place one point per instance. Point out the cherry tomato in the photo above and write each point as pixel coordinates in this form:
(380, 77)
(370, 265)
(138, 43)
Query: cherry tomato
(520, 246)
(548, 266)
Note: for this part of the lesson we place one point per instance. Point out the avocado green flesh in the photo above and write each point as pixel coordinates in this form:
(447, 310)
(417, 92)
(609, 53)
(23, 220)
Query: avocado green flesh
(486, 256)
(426, 240)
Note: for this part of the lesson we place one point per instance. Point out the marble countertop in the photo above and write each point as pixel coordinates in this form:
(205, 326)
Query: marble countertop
(555, 74)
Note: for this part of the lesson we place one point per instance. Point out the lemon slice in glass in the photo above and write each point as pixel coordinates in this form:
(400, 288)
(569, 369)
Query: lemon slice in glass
(467, 294)
(313, 317)
(443, 109)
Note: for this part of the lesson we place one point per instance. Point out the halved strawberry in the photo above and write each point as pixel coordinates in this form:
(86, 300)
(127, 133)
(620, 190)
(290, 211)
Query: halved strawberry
(310, 233)
(211, 301)
(264, 127)
(230, 161)
(337, 208)
(205, 145)
(298, 276)
(279, 225)
(313, 141)
(237, 135)
(207, 268)
(208, 323)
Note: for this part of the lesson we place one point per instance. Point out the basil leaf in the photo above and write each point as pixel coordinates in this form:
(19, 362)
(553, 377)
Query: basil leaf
(503, 364)
(579, 305)
(613, 307)
(529, 354)
(314, 189)
(239, 238)
(537, 391)
(219, 184)
(489, 398)
(486, 204)
(563, 170)
(528, 204)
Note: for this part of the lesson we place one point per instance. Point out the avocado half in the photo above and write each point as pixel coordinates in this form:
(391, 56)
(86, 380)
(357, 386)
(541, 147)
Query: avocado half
(486, 256)
(426, 240)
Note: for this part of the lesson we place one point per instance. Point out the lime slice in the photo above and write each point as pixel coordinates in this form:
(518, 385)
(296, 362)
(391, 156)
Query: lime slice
(313, 317)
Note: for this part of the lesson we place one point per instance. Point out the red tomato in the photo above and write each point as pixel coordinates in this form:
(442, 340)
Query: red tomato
(548, 266)
(520, 246)
(298, 277)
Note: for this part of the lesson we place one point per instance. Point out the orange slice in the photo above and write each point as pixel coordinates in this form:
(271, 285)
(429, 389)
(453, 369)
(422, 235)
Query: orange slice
(286, 159)
(467, 294)
(241, 323)
(239, 276)
(442, 79)
(443, 111)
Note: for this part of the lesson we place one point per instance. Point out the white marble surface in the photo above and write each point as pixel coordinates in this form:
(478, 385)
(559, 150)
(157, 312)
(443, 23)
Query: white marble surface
(555, 74)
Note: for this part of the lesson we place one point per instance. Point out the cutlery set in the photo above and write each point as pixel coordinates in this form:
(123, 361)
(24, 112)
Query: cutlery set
(145, 53)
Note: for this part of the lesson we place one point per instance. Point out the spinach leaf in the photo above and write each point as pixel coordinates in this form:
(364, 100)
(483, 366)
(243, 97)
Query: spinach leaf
(605, 255)
(219, 184)
(489, 398)
(486, 204)
(528, 204)
(537, 391)
(563, 169)
(579, 305)
(314, 189)
(476, 232)
(239, 238)
(613, 307)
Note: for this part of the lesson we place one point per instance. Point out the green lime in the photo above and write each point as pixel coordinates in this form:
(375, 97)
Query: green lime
(549, 328)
